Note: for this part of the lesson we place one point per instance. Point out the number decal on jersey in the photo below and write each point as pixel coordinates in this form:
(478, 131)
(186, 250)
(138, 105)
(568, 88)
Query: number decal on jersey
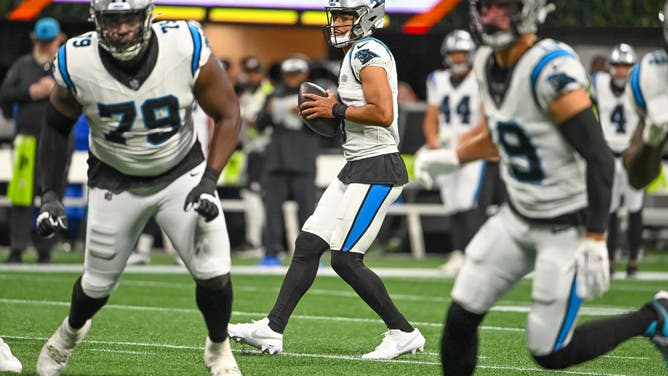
(517, 144)
(166, 25)
(445, 108)
(161, 113)
(618, 118)
(158, 113)
(127, 114)
(463, 109)
(84, 41)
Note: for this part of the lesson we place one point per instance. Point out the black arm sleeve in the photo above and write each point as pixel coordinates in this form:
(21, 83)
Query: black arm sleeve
(584, 132)
(52, 152)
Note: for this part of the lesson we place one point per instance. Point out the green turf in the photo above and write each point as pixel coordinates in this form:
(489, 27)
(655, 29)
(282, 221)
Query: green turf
(151, 327)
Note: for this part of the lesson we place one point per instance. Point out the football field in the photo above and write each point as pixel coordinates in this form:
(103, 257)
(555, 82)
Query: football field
(151, 325)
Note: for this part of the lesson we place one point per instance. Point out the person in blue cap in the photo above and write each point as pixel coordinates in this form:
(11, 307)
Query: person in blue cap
(27, 85)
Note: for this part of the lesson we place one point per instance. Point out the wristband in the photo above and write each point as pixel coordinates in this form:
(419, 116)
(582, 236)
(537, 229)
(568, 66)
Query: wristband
(339, 111)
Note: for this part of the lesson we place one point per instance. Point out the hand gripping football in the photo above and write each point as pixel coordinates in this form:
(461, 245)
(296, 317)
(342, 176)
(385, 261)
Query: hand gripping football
(328, 127)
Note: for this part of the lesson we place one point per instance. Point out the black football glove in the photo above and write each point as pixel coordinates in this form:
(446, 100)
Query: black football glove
(203, 197)
(51, 218)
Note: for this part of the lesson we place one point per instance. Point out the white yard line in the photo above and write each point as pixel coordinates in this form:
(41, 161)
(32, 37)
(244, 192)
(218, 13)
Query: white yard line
(317, 356)
(428, 273)
(586, 311)
(122, 351)
(324, 292)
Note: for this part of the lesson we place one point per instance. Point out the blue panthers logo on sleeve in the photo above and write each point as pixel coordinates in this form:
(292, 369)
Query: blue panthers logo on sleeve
(366, 55)
(560, 80)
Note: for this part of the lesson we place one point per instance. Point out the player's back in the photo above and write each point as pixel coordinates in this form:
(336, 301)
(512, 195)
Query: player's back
(615, 111)
(458, 101)
(363, 140)
(544, 176)
(140, 125)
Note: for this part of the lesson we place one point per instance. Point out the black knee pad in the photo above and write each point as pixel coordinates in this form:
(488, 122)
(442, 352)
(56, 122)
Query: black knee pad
(346, 262)
(459, 319)
(309, 245)
(215, 283)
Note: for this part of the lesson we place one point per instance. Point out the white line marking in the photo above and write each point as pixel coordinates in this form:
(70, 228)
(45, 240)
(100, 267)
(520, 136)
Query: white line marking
(586, 311)
(421, 273)
(122, 351)
(323, 356)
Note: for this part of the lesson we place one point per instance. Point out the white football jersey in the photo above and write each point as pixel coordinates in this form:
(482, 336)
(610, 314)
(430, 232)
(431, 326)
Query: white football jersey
(147, 130)
(544, 175)
(648, 80)
(459, 106)
(361, 140)
(616, 113)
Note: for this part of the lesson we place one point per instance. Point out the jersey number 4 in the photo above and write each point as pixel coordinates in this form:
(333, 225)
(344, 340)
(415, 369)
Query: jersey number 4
(161, 117)
(618, 118)
(518, 145)
(463, 109)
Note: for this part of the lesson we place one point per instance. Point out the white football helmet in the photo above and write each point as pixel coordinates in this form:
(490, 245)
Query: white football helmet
(623, 54)
(458, 41)
(369, 16)
(524, 17)
(113, 13)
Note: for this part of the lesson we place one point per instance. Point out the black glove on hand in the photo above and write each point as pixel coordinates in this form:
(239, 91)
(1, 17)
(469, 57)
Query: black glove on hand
(203, 197)
(52, 216)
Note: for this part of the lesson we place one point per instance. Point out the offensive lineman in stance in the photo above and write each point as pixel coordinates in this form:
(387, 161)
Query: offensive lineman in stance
(539, 118)
(136, 81)
(350, 212)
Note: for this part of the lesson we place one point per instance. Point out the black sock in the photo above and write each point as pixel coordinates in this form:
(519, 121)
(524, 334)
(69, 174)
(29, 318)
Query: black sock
(350, 266)
(613, 230)
(598, 337)
(216, 307)
(83, 307)
(298, 279)
(634, 233)
(459, 344)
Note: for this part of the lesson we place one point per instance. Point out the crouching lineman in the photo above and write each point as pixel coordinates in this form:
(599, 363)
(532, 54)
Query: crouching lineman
(136, 81)
(539, 119)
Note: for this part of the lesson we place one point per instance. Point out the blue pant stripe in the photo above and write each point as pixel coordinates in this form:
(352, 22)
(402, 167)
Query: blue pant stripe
(374, 199)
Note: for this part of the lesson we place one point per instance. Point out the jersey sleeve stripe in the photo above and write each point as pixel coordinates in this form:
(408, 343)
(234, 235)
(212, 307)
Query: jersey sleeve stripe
(635, 86)
(197, 49)
(544, 61)
(62, 67)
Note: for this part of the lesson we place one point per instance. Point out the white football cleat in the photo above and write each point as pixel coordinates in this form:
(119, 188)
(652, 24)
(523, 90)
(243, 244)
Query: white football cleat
(8, 362)
(397, 342)
(455, 262)
(57, 350)
(257, 334)
(219, 359)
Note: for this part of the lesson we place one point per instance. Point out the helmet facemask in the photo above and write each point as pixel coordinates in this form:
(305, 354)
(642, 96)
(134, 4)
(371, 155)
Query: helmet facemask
(498, 23)
(366, 16)
(124, 33)
(354, 33)
(458, 41)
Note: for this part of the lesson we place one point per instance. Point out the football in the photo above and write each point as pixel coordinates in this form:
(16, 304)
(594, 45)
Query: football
(328, 127)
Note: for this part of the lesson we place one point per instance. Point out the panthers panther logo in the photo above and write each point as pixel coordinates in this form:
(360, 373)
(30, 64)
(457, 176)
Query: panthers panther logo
(364, 56)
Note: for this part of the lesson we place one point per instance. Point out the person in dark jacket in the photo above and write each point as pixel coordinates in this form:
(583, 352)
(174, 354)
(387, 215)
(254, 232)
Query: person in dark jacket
(290, 157)
(27, 85)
